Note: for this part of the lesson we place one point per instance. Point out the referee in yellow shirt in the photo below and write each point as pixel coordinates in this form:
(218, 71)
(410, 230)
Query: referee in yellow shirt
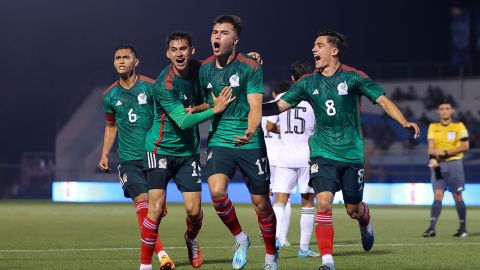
(447, 141)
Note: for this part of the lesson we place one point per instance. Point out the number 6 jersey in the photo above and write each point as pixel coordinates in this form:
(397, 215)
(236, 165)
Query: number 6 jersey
(132, 111)
(336, 105)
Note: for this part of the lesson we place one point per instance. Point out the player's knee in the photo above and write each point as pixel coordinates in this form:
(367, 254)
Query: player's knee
(324, 205)
(193, 211)
(218, 193)
(143, 197)
(156, 208)
(354, 213)
(262, 207)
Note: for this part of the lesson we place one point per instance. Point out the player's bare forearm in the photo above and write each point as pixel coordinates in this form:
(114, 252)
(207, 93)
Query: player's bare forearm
(392, 110)
(202, 107)
(109, 137)
(275, 108)
(255, 114)
(108, 140)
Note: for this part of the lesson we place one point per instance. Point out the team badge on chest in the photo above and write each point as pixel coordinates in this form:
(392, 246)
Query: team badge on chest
(142, 98)
(342, 88)
(234, 80)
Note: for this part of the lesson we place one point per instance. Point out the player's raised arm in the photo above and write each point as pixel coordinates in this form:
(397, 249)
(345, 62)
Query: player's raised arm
(108, 140)
(274, 108)
(392, 110)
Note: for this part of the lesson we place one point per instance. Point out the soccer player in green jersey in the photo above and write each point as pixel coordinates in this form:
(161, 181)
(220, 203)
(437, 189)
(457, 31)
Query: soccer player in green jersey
(173, 143)
(128, 105)
(235, 140)
(336, 148)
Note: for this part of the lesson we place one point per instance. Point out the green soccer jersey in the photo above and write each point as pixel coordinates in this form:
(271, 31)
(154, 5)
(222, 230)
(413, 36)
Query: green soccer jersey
(132, 111)
(336, 104)
(245, 77)
(170, 91)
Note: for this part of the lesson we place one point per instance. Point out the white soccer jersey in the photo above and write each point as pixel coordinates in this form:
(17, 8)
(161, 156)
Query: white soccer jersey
(296, 126)
(271, 140)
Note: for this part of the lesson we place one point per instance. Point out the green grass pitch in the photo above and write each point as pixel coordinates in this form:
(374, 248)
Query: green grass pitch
(45, 235)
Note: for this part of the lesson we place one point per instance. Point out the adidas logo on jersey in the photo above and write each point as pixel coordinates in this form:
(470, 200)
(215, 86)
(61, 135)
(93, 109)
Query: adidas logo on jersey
(342, 88)
(119, 103)
(315, 92)
(209, 86)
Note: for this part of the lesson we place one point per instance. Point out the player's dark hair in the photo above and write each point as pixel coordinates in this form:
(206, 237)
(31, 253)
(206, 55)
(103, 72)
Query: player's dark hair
(448, 101)
(336, 39)
(179, 35)
(300, 68)
(126, 46)
(231, 19)
(281, 87)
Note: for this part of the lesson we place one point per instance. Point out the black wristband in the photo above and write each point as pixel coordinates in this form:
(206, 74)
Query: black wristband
(431, 156)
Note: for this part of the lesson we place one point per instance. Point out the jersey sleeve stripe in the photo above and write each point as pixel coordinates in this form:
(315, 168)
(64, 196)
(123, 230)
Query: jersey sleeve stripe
(110, 87)
(247, 60)
(110, 117)
(160, 137)
(168, 82)
(351, 69)
(146, 79)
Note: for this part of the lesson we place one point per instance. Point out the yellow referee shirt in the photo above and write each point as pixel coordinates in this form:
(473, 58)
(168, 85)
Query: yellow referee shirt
(447, 137)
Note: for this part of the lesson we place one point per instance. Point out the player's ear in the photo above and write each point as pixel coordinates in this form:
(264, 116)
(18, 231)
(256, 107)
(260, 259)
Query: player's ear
(193, 49)
(137, 62)
(334, 52)
(236, 40)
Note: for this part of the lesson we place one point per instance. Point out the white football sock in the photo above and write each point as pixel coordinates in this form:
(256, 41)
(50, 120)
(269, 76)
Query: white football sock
(241, 237)
(327, 258)
(285, 222)
(306, 226)
(279, 209)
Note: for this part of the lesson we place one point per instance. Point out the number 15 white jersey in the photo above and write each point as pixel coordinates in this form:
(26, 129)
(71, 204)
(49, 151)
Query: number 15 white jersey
(296, 126)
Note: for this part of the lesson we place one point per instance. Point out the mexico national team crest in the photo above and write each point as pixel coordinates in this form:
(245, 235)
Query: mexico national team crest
(314, 168)
(142, 98)
(162, 163)
(342, 88)
(234, 80)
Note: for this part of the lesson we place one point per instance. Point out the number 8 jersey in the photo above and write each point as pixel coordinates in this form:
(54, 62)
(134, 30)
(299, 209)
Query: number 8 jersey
(132, 111)
(296, 126)
(336, 105)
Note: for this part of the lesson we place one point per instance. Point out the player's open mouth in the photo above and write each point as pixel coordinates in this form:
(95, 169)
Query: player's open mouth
(317, 58)
(216, 46)
(180, 60)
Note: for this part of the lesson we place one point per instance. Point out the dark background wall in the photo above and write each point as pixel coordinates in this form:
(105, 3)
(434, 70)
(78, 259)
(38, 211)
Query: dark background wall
(54, 52)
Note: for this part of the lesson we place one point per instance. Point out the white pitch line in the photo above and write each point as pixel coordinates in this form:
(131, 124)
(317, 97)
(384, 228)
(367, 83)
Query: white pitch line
(227, 247)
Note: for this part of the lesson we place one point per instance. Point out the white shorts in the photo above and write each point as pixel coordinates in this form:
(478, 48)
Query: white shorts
(286, 180)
